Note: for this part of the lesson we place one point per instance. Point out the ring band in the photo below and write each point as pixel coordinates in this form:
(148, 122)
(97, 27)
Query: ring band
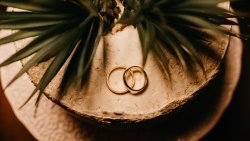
(142, 72)
(120, 92)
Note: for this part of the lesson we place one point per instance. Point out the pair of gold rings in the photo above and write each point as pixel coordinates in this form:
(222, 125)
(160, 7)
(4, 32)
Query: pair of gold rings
(129, 87)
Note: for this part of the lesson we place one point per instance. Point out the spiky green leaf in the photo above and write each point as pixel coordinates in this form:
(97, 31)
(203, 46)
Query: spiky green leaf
(22, 34)
(39, 42)
(43, 5)
(27, 23)
(28, 15)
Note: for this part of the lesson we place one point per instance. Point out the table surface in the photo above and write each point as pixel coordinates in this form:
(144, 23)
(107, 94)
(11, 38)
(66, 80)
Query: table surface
(234, 124)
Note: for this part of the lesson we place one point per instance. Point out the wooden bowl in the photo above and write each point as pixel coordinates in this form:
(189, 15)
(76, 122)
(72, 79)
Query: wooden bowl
(98, 105)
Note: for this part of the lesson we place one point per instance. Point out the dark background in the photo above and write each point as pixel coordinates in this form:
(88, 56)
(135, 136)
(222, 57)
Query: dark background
(233, 126)
(235, 122)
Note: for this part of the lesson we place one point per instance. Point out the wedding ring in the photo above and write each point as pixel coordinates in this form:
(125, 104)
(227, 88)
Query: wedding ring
(142, 72)
(120, 92)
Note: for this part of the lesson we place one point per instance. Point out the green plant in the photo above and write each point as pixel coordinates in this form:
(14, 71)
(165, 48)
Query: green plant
(63, 26)
(175, 23)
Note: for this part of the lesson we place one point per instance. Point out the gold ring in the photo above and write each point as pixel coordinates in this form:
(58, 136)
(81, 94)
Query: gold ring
(120, 92)
(142, 72)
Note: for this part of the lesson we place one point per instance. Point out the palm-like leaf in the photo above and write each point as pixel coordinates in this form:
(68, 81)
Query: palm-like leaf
(175, 23)
(61, 26)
